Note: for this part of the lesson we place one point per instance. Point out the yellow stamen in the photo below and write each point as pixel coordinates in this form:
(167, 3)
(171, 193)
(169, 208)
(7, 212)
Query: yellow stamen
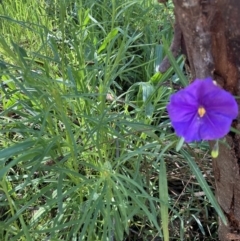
(201, 111)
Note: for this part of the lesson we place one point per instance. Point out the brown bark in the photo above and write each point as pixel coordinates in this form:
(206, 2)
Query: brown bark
(211, 33)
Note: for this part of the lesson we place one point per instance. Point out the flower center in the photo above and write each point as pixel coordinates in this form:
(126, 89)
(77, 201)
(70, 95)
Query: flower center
(201, 111)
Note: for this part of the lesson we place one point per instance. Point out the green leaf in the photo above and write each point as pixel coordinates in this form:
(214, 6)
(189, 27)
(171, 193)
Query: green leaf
(180, 144)
(232, 129)
(163, 195)
(175, 64)
(203, 184)
(155, 78)
(140, 127)
(147, 90)
(159, 55)
(108, 39)
(16, 149)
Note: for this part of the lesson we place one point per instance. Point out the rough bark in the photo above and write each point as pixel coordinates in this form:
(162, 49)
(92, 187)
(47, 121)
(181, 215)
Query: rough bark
(211, 33)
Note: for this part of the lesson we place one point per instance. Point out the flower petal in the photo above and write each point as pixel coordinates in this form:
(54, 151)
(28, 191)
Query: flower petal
(206, 87)
(200, 87)
(220, 106)
(214, 126)
(182, 107)
(221, 102)
(189, 130)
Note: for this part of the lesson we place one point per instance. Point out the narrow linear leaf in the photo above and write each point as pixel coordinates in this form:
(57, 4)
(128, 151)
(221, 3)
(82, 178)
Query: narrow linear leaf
(18, 148)
(179, 144)
(107, 40)
(163, 195)
(202, 182)
(175, 64)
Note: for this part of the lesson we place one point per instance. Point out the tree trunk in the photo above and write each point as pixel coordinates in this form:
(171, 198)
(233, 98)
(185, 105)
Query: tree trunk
(211, 36)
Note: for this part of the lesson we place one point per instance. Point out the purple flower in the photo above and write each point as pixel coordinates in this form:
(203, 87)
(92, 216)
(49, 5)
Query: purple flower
(202, 111)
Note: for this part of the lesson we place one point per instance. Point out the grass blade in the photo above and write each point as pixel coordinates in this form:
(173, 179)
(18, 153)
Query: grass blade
(163, 195)
(202, 182)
